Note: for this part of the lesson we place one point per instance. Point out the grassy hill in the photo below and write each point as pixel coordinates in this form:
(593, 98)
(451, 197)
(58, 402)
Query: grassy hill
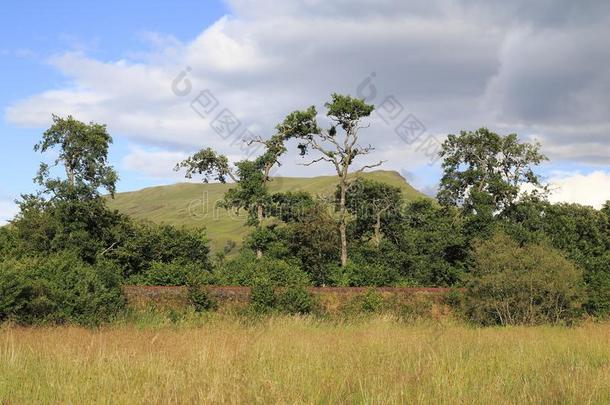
(193, 205)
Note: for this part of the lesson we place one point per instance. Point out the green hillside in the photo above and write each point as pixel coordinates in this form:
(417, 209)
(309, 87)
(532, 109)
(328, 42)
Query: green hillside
(193, 205)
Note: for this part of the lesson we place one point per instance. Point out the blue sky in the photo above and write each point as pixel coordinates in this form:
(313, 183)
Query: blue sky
(535, 68)
(33, 31)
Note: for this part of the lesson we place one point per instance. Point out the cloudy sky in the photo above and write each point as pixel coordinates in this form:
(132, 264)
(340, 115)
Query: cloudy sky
(165, 77)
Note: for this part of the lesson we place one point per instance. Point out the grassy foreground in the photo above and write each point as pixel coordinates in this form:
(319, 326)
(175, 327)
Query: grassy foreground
(304, 360)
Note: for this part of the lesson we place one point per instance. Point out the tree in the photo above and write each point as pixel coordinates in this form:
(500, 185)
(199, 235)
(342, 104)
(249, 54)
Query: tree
(484, 173)
(433, 242)
(83, 152)
(313, 239)
(250, 176)
(75, 216)
(372, 204)
(345, 113)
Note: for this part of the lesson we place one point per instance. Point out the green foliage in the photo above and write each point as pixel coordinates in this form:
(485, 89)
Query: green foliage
(375, 207)
(484, 171)
(369, 302)
(83, 152)
(433, 239)
(245, 269)
(339, 150)
(598, 292)
(208, 163)
(137, 247)
(363, 274)
(84, 226)
(295, 300)
(251, 178)
(199, 298)
(250, 191)
(347, 111)
(172, 273)
(291, 206)
(262, 295)
(583, 233)
(57, 289)
(8, 242)
(531, 284)
(313, 239)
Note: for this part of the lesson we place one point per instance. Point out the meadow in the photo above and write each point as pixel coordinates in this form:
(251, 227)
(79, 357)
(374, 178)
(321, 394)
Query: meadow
(217, 358)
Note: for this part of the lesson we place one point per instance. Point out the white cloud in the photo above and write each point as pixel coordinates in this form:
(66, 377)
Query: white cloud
(153, 164)
(8, 210)
(534, 68)
(587, 189)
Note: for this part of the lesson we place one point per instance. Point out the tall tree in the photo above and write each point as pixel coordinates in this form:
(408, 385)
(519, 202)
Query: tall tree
(339, 149)
(485, 173)
(75, 216)
(83, 153)
(250, 176)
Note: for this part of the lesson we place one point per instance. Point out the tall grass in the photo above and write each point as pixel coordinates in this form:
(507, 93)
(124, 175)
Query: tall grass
(304, 360)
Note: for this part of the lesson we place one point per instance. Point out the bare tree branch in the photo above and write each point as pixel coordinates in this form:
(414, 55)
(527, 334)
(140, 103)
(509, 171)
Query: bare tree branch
(363, 168)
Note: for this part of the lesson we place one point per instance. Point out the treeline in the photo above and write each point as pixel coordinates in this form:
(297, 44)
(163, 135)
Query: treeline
(516, 258)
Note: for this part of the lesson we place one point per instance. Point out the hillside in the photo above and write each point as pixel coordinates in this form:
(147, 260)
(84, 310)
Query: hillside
(193, 205)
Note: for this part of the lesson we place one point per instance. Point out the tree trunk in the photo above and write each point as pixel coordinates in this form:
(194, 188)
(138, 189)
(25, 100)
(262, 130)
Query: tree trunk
(343, 224)
(260, 217)
(70, 174)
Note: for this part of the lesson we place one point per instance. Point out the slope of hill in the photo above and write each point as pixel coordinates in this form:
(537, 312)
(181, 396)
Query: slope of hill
(194, 205)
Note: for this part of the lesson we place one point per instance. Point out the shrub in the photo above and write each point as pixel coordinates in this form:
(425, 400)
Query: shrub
(246, 269)
(364, 274)
(137, 247)
(174, 273)
(369, 302)
(412, 307)
(295, 300)
(262, 296)
(200, 299)
(531, 284)
(58, 289)
(266, 296)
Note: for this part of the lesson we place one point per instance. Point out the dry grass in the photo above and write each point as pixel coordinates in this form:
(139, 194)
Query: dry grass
(303, 360)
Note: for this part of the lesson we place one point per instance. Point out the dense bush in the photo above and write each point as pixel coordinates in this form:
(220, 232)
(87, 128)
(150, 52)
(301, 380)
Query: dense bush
(262, 296)
(532, 284)
(581, 232)
(369, 302)
(199, 297)
(86, 227)
(310, 239)
(8, 242)
(246, 269)
(138, 247)
(57, 289)
(294, 299)
(174, 273)
(363, 274)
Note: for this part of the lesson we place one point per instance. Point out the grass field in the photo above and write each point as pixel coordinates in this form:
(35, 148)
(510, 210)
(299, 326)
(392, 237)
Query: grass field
(193, 205)
(304, 360)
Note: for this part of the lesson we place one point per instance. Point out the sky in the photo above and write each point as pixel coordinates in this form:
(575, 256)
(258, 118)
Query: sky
(169, 78)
